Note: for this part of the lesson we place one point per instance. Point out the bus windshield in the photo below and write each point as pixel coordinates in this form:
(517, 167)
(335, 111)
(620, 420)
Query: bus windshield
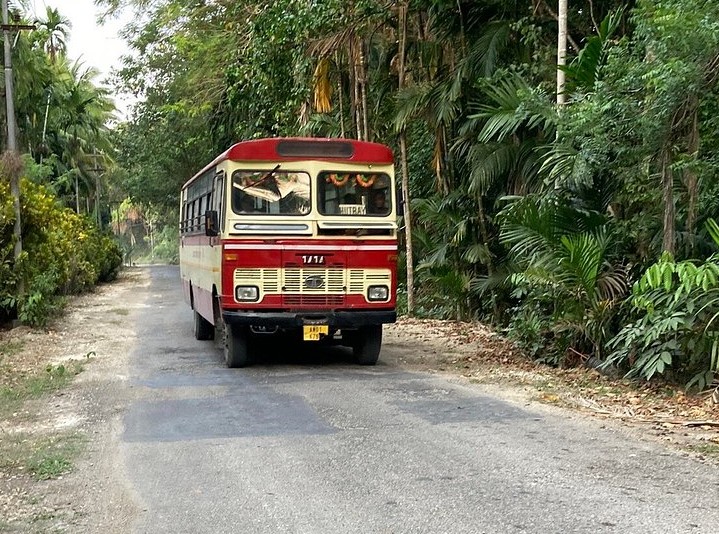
(274, 192)
(355, 193)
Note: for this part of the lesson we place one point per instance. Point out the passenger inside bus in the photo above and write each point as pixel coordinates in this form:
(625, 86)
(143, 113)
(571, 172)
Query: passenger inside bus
(378, 202)
(246, 203)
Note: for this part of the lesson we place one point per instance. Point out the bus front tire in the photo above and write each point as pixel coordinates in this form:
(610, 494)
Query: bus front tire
(204, 330)
(366, 344)
(236, 346)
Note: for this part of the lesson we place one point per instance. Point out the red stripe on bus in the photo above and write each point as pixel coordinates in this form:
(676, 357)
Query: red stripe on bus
(311, 247)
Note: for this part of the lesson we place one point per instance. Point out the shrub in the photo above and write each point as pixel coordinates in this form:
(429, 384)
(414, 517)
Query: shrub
(63, 253)
(676, 332)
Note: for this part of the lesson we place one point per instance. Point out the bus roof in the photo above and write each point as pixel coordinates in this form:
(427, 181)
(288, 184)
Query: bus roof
(279, 149)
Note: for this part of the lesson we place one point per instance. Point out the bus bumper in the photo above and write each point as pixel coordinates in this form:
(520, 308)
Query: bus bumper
(336, 319)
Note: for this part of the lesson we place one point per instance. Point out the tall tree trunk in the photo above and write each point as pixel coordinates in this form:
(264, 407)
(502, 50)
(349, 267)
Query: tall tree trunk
(356, 89)
(352, 70)
(668, 241)
(363, 90)
(409, 256)
(12, 161)
(77, 195)
(690, 174)
(407, 214)
(561, 51)
(490, 263)
(340, 96)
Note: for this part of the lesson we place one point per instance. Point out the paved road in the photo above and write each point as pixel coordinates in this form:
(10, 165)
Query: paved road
(307, 442)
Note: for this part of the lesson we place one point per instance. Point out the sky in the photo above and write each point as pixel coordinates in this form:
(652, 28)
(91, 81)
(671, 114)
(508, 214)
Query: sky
(94, 45)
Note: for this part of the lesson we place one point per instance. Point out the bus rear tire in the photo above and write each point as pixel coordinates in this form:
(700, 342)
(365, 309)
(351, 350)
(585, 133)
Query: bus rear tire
(366, 344)
(204, 330)
(236, 346)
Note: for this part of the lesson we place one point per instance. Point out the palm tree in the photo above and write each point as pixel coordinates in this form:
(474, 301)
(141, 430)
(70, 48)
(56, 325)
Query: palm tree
(561, 249)
(54, 29)
(78, 128)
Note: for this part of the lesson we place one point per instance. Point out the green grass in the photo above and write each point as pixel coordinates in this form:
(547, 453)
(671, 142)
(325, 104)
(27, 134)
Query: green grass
(710, 449)
(12, 450)
(53, 456)
(10, 348)
(43, 457)
(25, 388)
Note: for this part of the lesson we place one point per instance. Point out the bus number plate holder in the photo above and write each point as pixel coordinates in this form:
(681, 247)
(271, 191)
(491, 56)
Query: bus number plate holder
(312, 332)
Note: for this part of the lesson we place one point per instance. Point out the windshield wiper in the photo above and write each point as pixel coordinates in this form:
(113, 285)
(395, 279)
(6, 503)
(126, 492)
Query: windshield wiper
(266, 177)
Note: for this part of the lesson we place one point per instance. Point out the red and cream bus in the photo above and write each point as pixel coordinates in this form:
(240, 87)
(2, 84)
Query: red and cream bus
(295, 236)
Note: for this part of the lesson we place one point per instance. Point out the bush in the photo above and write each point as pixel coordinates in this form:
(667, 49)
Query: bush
(676, 333)
(63, 253)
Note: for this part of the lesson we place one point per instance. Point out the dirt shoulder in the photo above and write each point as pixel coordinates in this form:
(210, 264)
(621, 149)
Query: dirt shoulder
(60, 445)
(60, 472)
(474, 353)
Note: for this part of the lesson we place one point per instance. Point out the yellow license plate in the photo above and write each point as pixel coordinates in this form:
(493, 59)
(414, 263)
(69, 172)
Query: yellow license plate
(312, 332)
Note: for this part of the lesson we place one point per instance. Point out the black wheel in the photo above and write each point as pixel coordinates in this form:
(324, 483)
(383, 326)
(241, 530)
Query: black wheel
(349, 338)
(236, 346)
(203, 328)
(367, 344)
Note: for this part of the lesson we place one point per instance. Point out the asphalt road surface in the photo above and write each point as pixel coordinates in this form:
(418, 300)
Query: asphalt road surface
(307, 442)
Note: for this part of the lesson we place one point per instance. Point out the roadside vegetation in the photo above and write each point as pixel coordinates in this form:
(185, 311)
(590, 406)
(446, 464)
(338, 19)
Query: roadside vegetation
(64, 171)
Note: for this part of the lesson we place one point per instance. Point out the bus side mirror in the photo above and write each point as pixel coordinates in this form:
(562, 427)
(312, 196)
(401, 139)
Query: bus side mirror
(211, 223)
(400, 202)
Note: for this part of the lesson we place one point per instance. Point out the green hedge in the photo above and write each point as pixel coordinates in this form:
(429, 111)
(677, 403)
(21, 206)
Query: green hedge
(63, 253)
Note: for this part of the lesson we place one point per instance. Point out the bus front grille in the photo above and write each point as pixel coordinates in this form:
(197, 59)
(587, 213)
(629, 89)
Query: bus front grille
(328, 285)
(314, 281)
(313, 300)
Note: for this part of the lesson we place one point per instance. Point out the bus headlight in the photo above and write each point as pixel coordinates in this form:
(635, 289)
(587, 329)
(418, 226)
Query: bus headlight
(247, 293)
(375, 293)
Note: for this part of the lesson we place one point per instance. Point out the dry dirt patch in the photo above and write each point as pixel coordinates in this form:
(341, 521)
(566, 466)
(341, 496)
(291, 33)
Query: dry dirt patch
(57, 424)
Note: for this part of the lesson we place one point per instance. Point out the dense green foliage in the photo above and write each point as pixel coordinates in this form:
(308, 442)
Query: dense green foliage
(535, 216)
(677, 304)
(64, 253)
(62, 118)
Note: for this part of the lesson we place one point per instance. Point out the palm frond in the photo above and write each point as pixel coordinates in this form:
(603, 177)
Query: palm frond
(513, 106)
(322, 87)
(559, 163)
(477, 253)
(482, 56)
(435, 258)
(583, 71)
(489, 163)
(410, 102)
(713, 230)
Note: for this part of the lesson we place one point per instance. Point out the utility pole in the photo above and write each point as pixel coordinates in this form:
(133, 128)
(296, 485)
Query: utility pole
(12, 160)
